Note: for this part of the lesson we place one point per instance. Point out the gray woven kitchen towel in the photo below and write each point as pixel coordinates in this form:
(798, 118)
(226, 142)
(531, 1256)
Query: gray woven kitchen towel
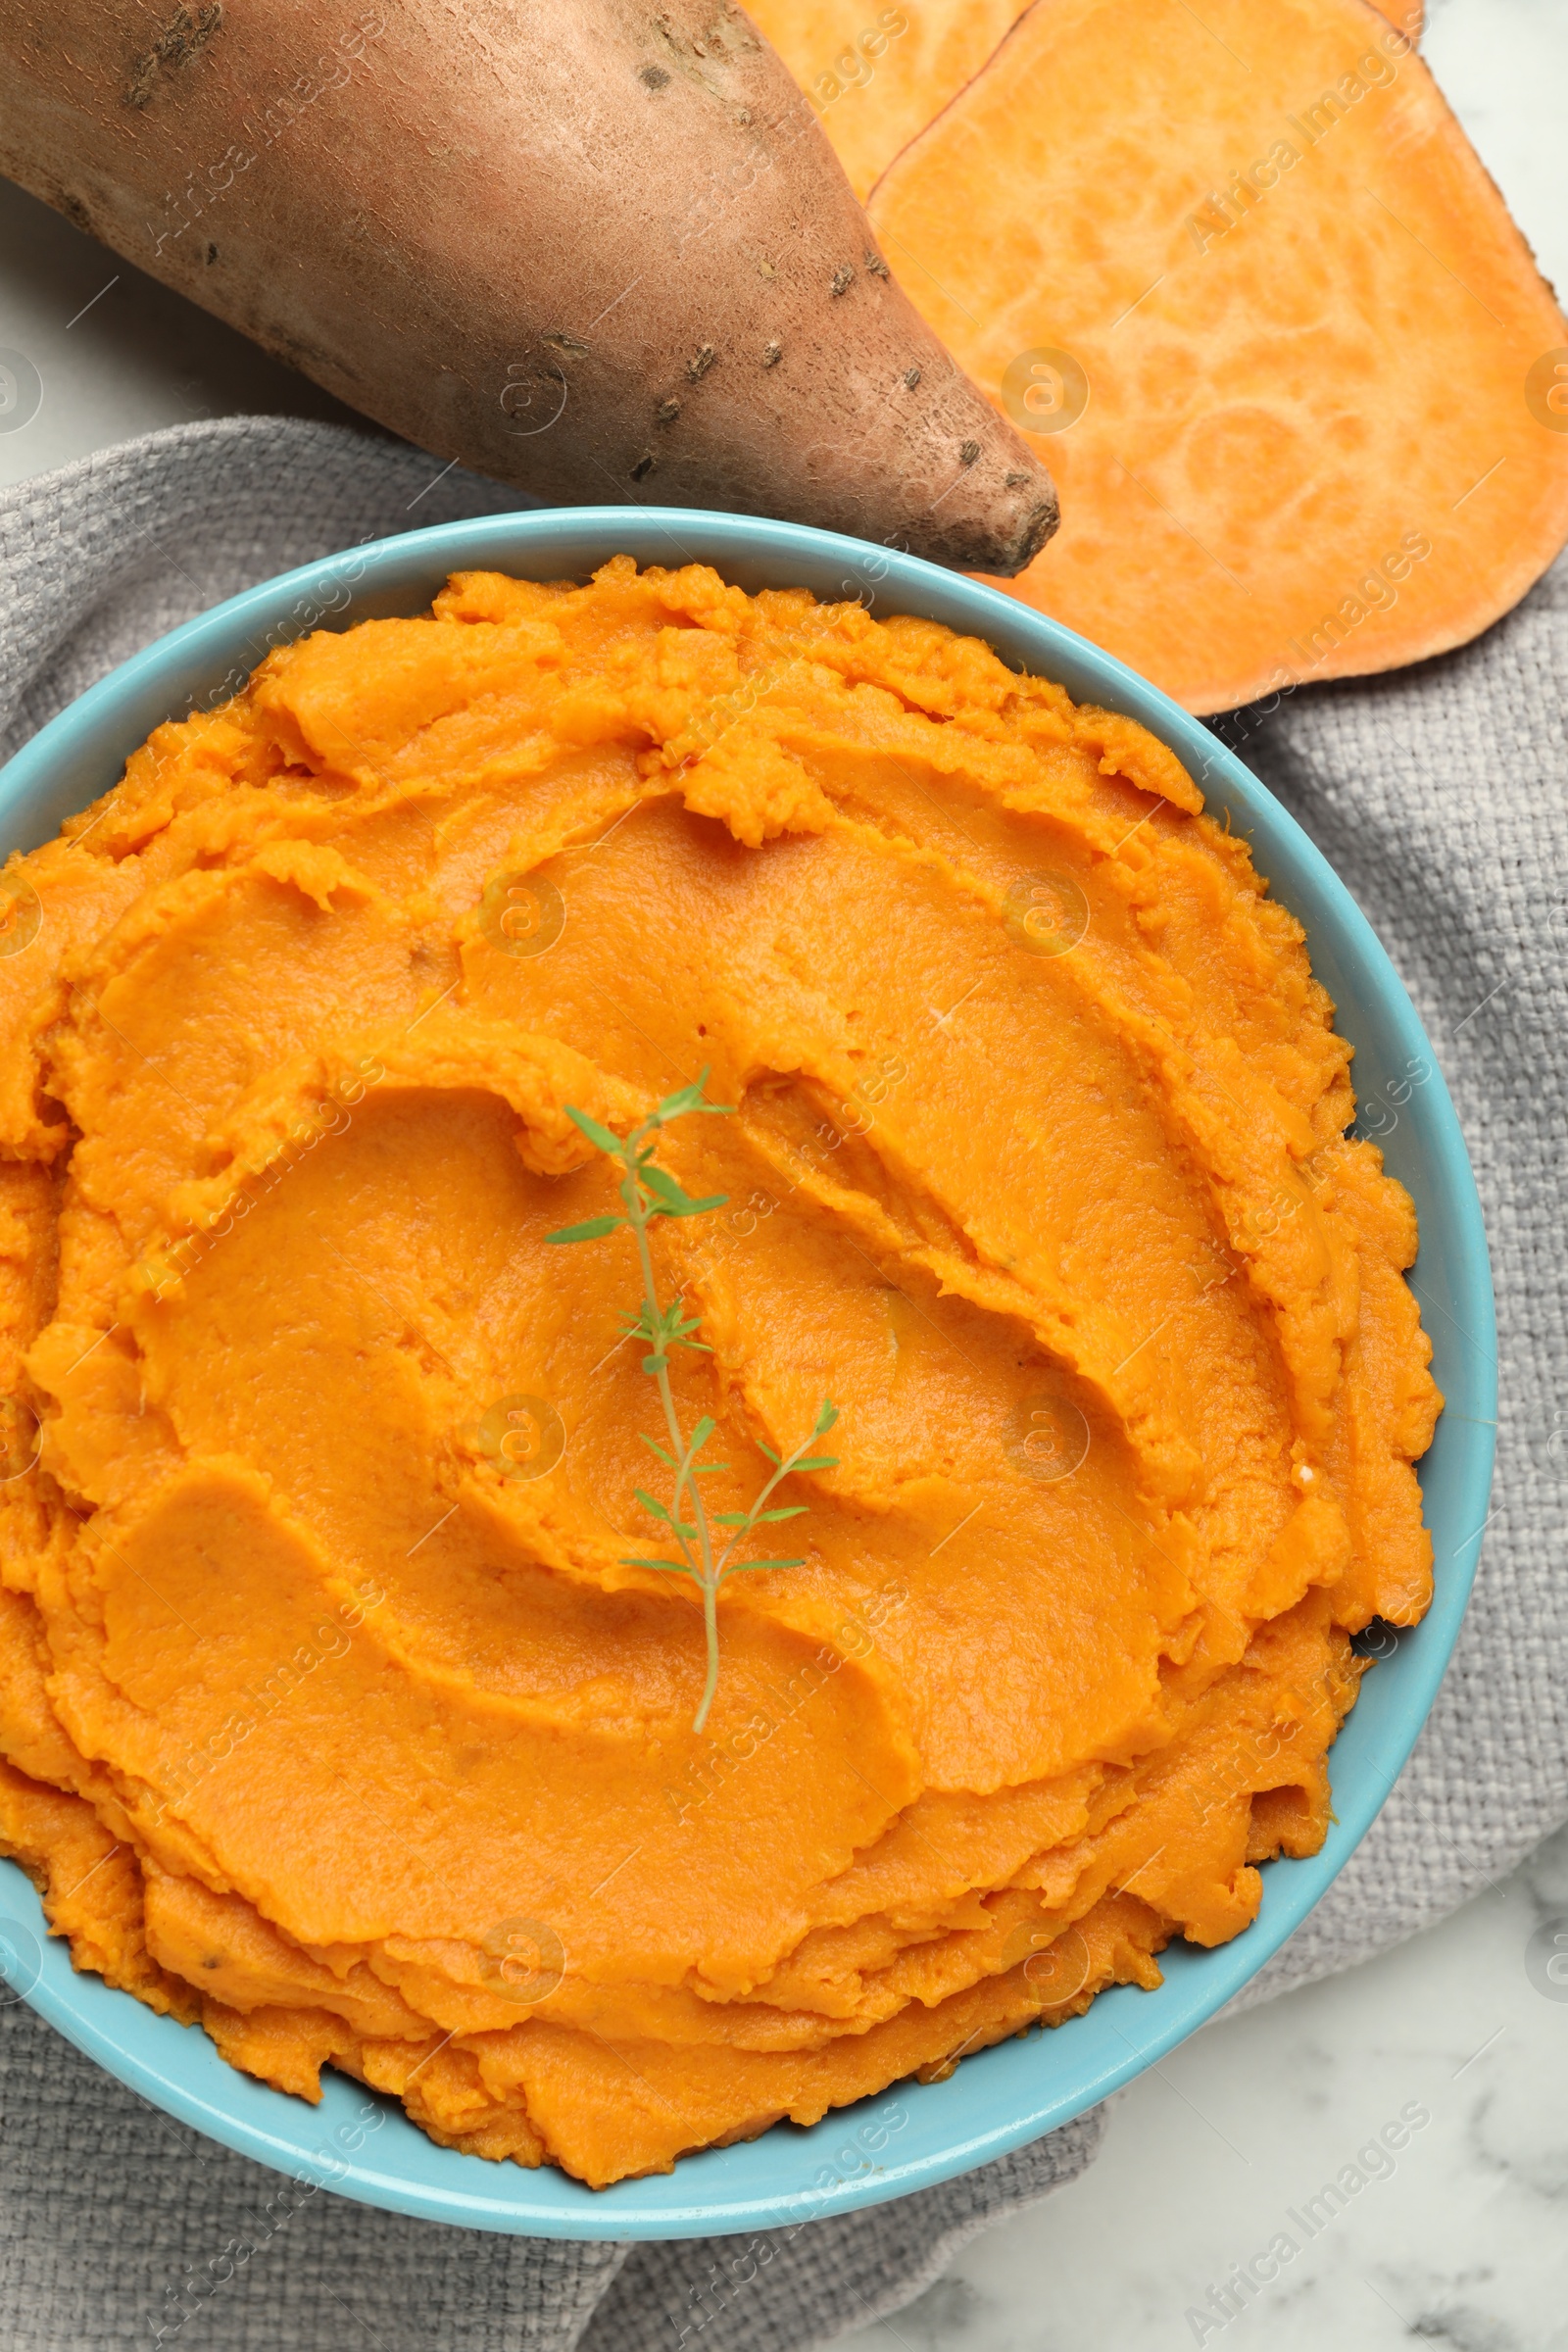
(1440, 795)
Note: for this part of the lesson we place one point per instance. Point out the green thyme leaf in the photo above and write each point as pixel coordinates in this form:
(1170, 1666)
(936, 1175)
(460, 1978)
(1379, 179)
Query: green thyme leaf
(677, 1526)
(687, 1098)
(602, 1136)
(590, 1230)
(673, 1200)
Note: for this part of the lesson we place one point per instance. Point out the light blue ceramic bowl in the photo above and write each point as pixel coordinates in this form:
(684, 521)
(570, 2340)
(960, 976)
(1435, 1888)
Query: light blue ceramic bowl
(914, 2135)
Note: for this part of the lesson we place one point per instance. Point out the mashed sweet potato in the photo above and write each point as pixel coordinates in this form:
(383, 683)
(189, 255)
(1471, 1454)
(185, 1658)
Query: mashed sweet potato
(331, 1717)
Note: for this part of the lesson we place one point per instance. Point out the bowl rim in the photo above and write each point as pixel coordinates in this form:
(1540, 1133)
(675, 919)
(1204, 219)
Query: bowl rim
(1004, 2097)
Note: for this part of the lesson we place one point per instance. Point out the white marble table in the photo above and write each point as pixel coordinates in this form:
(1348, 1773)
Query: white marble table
(1465, 2239)
(1461, 2240)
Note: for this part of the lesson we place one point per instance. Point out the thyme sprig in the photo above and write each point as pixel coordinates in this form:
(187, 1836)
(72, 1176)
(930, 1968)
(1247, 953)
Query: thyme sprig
(650, 1192)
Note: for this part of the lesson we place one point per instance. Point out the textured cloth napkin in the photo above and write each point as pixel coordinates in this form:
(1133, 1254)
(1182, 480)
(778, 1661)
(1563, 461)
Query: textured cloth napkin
(1438, 794)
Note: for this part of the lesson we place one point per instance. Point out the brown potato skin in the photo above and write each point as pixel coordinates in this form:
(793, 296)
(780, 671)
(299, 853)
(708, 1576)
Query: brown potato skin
(591, 249)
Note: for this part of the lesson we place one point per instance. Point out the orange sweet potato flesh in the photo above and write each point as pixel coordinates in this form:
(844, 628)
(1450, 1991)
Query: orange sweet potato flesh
(318, 1723)
(1318, 438)
(876, 77)
(601, 250)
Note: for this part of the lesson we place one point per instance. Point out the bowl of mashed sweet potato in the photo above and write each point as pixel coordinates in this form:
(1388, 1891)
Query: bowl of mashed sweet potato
(367, 1805)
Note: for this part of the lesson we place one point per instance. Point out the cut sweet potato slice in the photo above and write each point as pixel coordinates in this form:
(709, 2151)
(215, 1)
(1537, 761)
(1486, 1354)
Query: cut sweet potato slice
(876, 77)
(1303, 387)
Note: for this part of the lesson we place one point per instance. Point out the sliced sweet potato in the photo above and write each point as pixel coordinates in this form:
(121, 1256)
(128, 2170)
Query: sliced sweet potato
(877, 75)
(1291, 359)
(601, 250)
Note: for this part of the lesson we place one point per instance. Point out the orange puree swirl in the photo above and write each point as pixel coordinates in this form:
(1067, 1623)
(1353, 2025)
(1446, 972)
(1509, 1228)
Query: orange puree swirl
(332, 1717)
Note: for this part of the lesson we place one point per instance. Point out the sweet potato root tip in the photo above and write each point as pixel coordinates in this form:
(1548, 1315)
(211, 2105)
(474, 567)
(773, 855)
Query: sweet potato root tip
(511, 249)
(1039, 525)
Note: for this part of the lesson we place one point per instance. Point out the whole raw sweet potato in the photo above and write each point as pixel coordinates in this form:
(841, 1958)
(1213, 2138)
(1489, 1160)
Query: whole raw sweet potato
(600, 249)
